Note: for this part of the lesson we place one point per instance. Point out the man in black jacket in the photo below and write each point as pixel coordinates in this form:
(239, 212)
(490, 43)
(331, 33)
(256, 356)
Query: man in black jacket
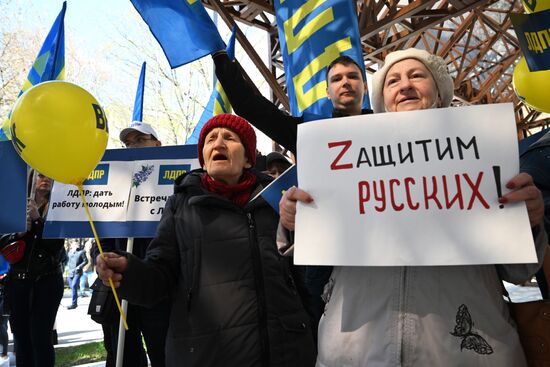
(346, 88)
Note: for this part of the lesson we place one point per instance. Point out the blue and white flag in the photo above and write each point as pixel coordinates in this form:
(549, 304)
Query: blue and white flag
(218, 102)
(182, 27)
(49, 63)
(312, 35)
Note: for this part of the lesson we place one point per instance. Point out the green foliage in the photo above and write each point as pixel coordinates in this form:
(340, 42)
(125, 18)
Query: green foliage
(80, 354)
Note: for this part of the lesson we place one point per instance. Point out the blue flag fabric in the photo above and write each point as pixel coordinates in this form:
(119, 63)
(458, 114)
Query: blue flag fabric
(138, 104)
(49, 63)
(534, 38)
(218, 102)
(312, 34)
(13, 195)
(4, 266)
(182, 28)
(275, 190)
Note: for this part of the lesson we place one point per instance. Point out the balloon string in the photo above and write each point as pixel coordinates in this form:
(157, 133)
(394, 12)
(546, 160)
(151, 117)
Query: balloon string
(81, 191)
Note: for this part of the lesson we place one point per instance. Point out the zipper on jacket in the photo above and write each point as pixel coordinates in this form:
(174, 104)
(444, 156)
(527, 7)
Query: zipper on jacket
(34, 240)
(189, 297)
(259, 282)
(30, 257)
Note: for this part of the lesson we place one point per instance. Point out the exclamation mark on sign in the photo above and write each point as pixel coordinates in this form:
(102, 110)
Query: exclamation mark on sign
(496, 173)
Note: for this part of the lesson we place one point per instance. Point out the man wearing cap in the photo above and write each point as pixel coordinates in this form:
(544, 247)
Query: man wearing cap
(152, 322)
(139, 135)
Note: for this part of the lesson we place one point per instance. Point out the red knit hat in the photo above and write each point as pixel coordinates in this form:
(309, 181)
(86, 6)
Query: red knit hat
(234, 123)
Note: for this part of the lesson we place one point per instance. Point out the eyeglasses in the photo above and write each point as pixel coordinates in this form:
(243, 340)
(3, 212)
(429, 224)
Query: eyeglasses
(138, 141)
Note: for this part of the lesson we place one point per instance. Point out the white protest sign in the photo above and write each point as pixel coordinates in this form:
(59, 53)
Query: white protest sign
(126, 193)
(411, 188)
(148, 196)
(106, 195)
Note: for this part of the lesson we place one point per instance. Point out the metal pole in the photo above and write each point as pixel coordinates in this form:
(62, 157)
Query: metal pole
(121, 329)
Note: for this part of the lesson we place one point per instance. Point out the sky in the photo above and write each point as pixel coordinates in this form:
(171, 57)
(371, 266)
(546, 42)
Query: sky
(96, 29)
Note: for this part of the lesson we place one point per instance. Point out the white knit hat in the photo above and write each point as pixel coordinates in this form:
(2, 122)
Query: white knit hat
(435, 64)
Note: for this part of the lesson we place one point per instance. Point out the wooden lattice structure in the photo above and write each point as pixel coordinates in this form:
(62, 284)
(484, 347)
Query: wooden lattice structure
(474, 37)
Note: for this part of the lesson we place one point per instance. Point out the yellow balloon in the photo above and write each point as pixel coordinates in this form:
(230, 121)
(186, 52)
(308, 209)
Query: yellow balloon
(60, 130)
(532, 87)
(533, 6)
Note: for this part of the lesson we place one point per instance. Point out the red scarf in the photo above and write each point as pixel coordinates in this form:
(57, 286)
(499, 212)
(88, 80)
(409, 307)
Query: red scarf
(238, 193)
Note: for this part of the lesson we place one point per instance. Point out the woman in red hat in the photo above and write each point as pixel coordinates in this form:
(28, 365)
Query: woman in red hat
(235, 301)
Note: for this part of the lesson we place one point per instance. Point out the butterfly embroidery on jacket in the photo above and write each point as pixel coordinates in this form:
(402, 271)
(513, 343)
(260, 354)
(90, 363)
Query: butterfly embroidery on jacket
(470, 339)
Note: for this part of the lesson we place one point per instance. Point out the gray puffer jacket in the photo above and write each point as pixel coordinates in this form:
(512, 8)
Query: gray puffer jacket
(422, 316)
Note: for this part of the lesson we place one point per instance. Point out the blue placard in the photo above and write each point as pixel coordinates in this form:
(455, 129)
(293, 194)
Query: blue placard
(13, 196)
(275, 190)
(533, 35)
(100, 176)
(169, 172)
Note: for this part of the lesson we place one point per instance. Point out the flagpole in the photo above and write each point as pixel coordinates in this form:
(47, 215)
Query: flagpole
(121, 329)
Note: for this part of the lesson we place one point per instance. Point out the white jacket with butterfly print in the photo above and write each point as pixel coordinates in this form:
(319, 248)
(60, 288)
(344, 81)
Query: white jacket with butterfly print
(422, 316)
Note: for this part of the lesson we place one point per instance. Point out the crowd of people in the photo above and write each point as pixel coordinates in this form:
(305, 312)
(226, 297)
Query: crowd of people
(217, 285)
(32, 289)
(216, 253)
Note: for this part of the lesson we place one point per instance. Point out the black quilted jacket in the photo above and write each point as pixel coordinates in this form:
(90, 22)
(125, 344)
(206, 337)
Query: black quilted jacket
(235, 301)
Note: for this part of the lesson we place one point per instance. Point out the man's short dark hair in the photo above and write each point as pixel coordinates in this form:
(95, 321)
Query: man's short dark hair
(344, 60)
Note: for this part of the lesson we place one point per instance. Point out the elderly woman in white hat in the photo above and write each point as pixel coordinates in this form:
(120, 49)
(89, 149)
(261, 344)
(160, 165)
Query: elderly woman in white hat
(421, 316)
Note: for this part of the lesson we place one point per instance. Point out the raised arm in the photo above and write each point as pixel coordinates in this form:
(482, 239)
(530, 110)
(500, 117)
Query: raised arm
(258, 110)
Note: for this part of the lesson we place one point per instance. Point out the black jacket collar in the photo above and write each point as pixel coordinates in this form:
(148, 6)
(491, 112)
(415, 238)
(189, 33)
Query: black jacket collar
(339, 113)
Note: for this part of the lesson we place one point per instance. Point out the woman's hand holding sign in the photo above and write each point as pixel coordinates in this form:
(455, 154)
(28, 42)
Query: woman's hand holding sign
(523, 189)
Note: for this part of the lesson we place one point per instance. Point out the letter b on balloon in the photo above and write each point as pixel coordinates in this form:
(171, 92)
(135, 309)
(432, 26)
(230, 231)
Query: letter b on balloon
(100, 118)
